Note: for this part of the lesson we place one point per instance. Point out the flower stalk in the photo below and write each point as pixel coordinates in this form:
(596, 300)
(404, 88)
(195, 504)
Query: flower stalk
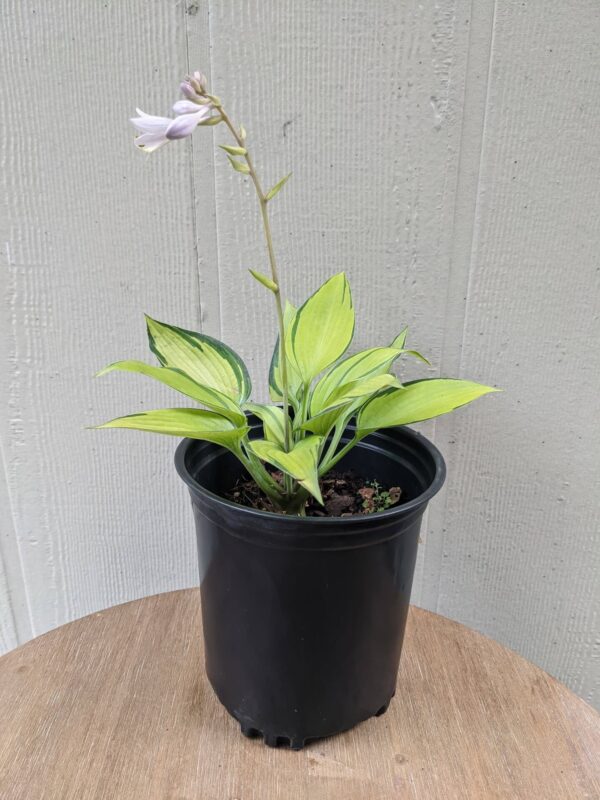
(262, 199)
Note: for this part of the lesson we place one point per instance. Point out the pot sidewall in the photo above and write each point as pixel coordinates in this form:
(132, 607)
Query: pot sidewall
(303, 623)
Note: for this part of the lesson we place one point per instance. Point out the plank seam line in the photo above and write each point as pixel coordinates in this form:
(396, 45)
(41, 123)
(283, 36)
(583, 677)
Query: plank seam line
(459, 190)
(13, 517)
(474, 237)
(187, 22)
(191, 178)
(214, 163)
(13, 620)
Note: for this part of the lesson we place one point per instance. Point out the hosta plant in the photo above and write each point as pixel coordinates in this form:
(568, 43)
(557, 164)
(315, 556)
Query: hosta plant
(316, 389)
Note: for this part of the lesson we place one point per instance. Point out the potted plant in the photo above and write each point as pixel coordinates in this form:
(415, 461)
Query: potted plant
(308, 508)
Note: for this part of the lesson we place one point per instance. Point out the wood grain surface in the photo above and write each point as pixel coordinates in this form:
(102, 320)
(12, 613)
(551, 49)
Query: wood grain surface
(116, 706)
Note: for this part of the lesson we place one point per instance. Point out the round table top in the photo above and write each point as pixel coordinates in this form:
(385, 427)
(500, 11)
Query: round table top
(117, 706)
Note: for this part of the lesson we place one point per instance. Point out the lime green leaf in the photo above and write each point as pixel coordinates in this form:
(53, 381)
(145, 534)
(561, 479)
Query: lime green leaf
(399, 343)
(363, 365)
(339, 417)
(400, 340)
(202, 358)
(294, 379)
(417, 401)
(267, 282)
(243, 133)
(417, 355)
(278, 186)
(322, 424)
(238, 166)
(194, 423)
(234, 151)
(215, 400)
(345, 401)
(360, 388)
(273, 420)
(322, 328)
(301, 462)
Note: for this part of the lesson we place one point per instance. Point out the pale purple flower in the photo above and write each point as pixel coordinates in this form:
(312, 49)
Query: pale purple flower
(153, 130)
(186, 123)
(186, 107)
(156, 131)
(188, 90)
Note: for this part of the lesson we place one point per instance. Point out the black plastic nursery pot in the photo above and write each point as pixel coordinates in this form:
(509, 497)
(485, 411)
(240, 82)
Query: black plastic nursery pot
(304, 617)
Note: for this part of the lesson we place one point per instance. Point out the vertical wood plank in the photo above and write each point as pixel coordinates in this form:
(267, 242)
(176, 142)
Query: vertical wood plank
(15, 620)
(474, 103)
(96, 234)
(362, 104)
(8, 632)
(203, 177)
(521, 553)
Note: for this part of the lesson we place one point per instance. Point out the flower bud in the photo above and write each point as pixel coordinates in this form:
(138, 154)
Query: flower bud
(188, 91)
(201, 78)
(185, 107)
(198, 82)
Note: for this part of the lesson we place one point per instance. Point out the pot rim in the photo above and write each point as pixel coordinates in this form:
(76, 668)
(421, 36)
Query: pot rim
(354, 521)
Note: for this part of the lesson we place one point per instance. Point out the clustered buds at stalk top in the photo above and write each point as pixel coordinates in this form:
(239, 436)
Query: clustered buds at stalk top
(194, 111)
(194, 87)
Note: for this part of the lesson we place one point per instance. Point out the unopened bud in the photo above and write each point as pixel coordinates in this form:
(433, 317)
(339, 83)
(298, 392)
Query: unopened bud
(201, 78)
(188, 91)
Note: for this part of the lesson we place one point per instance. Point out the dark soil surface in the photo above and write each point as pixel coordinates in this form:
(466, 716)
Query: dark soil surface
(344, 494)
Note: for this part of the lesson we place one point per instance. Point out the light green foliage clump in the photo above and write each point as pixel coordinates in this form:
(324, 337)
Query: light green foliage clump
(316, 388)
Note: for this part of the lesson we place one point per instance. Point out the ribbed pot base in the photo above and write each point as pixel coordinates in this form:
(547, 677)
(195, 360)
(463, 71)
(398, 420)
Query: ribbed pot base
(293, 743)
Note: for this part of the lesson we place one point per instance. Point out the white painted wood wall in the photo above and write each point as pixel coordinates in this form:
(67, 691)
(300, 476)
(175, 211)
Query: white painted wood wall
(444, 153)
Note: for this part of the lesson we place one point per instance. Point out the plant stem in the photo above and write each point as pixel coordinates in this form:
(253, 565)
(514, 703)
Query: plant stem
(256, 468)
(273, 264)
(327, 465)
(304, 407)
(333, 445)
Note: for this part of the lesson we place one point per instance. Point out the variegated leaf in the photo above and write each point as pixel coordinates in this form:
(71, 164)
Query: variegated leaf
(349, 395)
(417, 401)
(202, 358)
(175, 379)
(294, 379)
(301, 462)
(273, 420)
(322, 328)
(194, 423)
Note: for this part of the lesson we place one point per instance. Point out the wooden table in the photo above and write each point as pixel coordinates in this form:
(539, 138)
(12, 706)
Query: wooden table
(117, 706)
